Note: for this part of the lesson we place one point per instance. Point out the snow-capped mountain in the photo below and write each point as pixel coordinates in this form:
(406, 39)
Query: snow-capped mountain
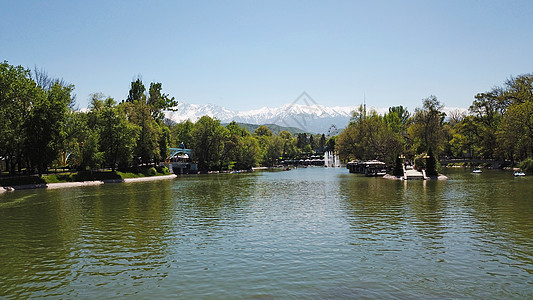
(310, 118)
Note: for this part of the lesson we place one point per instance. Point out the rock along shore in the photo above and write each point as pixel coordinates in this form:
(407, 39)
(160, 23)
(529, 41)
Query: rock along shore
(62, 185)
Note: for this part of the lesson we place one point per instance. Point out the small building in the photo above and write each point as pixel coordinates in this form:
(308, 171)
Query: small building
(179, 161)
(369, 168)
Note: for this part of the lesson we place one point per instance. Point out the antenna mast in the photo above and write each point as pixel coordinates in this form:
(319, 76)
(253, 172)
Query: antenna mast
(364, 104)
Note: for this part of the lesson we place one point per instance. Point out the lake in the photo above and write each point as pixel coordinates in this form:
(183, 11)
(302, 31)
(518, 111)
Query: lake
(307, 233)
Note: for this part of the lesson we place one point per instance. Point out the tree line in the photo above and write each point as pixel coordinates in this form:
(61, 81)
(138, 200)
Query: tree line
(39, 129)
(218, 147)
(498, 125)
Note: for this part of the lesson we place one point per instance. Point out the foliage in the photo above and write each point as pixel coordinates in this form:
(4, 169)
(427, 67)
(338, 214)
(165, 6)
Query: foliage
(18, 93)
(371, 136)
(181, 134)
(208, 143)
(117, 135)
(420, 161)
(398, 167)
(527, 165)
(39, 129)
(426, 126)
(431, 164)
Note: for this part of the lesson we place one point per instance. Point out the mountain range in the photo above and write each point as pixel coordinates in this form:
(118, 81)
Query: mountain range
(312, 118)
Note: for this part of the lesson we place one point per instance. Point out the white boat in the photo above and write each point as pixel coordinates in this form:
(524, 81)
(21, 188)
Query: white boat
(519, 173)
(477, 171)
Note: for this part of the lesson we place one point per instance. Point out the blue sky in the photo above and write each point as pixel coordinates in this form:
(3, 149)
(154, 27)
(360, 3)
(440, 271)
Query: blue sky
(249, 54)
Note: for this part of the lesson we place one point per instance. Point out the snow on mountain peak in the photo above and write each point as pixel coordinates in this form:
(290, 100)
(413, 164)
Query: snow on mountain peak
(311, 118)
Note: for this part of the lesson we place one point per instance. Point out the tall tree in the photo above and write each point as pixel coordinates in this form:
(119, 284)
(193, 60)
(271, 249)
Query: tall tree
(273, 150)
(369, 136)
(426, 129)
(158, 101)
(136, 92)
(117, 135)
(140, 112)
(289, 148)
(208, 143)
(18, 93)
(182, 134)
(45, 126)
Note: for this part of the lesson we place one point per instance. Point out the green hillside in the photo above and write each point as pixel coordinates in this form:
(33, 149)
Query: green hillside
(276, 129)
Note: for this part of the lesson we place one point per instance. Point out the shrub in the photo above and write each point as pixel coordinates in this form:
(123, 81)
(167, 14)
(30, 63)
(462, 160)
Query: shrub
(431, 167)
(398, 169)
(162, 170)
(420, 161)
(527, 165)
(150, 172)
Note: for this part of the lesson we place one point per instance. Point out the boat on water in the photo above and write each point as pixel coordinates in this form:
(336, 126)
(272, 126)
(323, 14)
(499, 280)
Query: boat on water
(477, 171)
(519, 173)
(369, 168)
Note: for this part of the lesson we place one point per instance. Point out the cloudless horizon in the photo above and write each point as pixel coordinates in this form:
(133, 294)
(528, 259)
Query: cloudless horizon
(249, 54)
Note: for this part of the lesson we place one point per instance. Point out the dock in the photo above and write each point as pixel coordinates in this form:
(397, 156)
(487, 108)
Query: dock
(411, 174)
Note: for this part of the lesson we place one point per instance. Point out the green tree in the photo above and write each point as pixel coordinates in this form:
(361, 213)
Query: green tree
(263, 131)
(487, 110)
(250, 153)
(208, 143)
(91, 157)
(322, 143)
(264, 138)
(426, 128)
(401, 112)
(464, 135)
(431, 164)
(370, 136)
(45, 125)
(117, 135)
(515, 138)
(158, 101)
(331, 144)
(140, 113)
(76, 133)
(312, 142)
(301, 140)
(182, 134)
(289, 148)
(136, 92)
(164, 142)
(273, 150)
(18, 93)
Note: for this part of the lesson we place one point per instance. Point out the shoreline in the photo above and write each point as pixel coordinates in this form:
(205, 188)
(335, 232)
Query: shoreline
(392, 177)
(60, 185)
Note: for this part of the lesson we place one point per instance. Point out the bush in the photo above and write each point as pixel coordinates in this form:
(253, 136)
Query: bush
(431, 167)
(162, 169)
(20, 180)
(420, 161)
(527, 165)
(398, 167)
(150, 172)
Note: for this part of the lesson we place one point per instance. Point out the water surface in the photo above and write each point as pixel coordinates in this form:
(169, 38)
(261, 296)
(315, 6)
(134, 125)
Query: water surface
(306, 233)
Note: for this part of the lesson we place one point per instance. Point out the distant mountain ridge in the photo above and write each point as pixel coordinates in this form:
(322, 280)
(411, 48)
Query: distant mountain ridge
(308, 118)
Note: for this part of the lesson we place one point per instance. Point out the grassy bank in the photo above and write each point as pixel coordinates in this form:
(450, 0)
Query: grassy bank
(84, 176)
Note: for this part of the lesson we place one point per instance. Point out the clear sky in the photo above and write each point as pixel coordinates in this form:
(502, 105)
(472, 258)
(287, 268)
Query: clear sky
(249, 54)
